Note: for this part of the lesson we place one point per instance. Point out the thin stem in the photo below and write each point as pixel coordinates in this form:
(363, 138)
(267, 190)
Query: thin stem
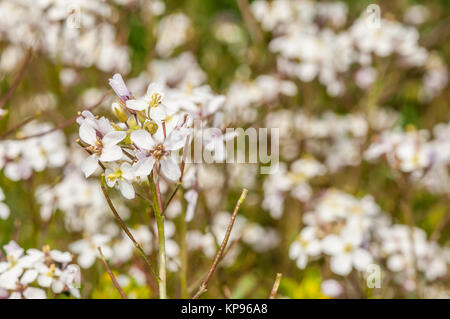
(20, 125)
(111, 275)
(276, 284)
(125, 228)
(202, 288)
(17, 80)
(161, 237)
(249, 21)
(183, 247)
(66, 122)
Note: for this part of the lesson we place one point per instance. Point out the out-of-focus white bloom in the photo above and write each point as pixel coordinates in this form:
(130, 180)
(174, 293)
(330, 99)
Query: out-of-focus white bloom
(19, 158)
(307, 244)
(87, 249)
(416, 14)
(308, 47)
(331, 288)
(173, 31)
(21, 272)
(345, 252)
(74, 32)
(4, 209)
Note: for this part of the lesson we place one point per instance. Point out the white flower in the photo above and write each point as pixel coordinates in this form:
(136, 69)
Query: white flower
(345, 252)
(152, 103)
(331, 288)
(103, 147)
(87, 249)
(121, 176)
(34, 293)
(4, 209)
(155, 151)
(305, 246)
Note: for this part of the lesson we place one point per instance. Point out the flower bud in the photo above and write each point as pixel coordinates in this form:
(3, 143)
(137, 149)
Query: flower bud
(119, 112)
(141, 117)
(132, 124)
(151, 126)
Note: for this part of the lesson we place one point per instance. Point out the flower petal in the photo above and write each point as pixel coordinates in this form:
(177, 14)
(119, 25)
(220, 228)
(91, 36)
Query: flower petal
(170, 168)
(87, 134)
(34, 293)
(175, 140)
(145, 166)
(341, 264)
(158, 113)
(137, 105)
(111, 153)
(89, 165)
(127, 190)
(114, 137)
(142, 139)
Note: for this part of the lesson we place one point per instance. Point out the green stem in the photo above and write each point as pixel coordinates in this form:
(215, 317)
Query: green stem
(183, 247)
(161, 237)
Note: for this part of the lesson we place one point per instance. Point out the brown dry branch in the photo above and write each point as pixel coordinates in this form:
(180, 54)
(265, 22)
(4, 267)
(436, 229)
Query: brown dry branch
(66, 122)
(17, 80)
(276, 284)
(202, 288)
(111, 275)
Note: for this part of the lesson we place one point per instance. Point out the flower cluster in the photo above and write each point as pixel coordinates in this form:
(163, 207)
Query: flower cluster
(309, 47)
(355, 233)
(34, 273)
(76, 32)
(19, 158)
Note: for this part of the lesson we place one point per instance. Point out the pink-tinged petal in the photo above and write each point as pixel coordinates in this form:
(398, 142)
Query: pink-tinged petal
(110, 154)
(127, 190)
(145, 166)
(119, 87)
(114, 137)
(158, 113)
(89, 165)
(170, 168)
(142, 139)
(137, 105)
(87, 134)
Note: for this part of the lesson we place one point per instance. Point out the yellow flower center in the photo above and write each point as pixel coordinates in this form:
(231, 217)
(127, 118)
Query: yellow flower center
(114, 176)
(155, 100)
(51, 271)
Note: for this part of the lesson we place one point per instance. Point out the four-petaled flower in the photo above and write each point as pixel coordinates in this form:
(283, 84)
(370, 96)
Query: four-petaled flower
(153, 150)
(151, 103)
(102, 146)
